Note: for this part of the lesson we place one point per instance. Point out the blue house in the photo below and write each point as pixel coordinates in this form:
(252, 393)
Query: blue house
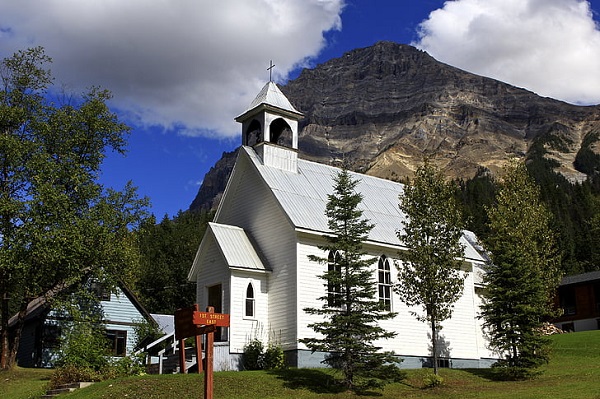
(40, 338)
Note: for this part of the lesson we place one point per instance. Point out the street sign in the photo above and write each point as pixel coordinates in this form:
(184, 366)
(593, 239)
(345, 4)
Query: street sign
(208, 319)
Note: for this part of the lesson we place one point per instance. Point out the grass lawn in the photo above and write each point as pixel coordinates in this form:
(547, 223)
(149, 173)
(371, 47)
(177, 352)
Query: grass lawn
(20, 383)
(574, 372)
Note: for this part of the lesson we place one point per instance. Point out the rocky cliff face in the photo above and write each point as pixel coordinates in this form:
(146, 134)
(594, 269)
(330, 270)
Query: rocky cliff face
(386, 107)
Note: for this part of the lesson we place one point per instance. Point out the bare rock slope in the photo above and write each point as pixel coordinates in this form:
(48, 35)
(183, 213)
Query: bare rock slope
(384, 108)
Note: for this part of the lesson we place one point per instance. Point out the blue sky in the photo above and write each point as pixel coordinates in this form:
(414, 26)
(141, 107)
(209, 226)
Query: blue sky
(181, 71)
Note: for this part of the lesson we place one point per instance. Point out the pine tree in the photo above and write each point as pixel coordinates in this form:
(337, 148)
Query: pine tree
(429, 275)
(351, 310)
(522, 277)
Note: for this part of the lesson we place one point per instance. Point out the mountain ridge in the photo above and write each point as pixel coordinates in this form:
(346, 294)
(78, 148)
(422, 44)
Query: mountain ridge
(383, 108)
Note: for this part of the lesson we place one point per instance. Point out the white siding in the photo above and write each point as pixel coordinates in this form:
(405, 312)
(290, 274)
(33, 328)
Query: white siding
(461, 335)
(245, 329)
(213, 271)
(248, 203)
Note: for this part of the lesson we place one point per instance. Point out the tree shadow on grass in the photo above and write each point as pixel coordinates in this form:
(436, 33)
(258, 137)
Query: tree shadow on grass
(487, 374)
(316, 381)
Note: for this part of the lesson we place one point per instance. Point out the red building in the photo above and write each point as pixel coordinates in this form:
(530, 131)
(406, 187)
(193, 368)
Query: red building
(579, 298)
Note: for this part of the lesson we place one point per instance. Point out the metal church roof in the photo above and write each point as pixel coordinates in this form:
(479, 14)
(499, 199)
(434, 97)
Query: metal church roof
(236, 247)
(304, 195)
(272, 96)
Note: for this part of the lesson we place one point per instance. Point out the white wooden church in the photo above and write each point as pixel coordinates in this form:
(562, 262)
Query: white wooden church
(253, 259)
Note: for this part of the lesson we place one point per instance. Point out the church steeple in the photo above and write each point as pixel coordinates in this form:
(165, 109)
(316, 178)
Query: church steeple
(271, 118)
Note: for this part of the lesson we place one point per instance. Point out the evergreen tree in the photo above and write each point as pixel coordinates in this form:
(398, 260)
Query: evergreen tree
(167, 251)
(351, 310)
(429, 275)
(521, 280)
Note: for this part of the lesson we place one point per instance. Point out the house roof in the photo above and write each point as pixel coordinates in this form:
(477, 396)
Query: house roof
(304, 195)
(236, 247)
(270, 96)
(37, 306)
(580, 278)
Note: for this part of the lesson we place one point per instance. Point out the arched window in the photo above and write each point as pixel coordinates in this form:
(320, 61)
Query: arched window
(334, 288)
(250, 301)
(384, 284)
(281, 133)
(254, 133)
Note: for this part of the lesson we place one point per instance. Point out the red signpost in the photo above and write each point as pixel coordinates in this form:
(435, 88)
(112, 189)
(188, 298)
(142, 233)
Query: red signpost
(190, 322)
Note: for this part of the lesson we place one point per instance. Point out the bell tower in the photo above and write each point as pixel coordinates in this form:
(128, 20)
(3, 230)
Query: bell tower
(270, 126)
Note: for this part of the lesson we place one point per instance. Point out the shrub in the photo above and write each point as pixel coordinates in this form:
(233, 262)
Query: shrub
(432, 380)
(253, 355)
(72, 373)
(85, 346)
(256, 357)
(273, 358)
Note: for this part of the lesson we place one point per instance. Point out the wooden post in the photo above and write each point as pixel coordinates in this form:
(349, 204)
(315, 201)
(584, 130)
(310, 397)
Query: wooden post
(199, 353)
(208, 373)
(198, 347)
(182, 368)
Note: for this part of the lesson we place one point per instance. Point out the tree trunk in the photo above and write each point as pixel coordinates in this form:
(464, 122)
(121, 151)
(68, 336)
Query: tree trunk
(11, 336)
(434, 346)
(4, 349)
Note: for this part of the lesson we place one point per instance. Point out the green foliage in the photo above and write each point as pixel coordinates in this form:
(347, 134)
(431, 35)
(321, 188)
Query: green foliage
(432, 380)
(273, 358)
(125, 366)
(349, 323)
(575, 208)
(167, 251)
(523, 275)
(429, 275)
(58, 224)
(257, 357)
(586, 160)
(85, 346)
(253, 355)
(83, 340)
(72, 373)
(145, 331)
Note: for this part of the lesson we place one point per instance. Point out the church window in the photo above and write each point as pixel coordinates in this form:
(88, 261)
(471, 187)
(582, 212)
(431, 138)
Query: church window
(281, 133)
(249, 301)
(334, 288)
(254, 134)
(384, 282)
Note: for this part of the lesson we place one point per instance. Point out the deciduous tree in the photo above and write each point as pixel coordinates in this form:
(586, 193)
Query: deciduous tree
(57, 223)
(429, 274)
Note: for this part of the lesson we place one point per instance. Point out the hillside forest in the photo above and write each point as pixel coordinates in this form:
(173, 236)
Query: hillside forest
(168, 248)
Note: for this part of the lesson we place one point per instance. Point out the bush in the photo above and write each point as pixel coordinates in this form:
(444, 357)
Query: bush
(432, 380)
(253, 355)
(256, 357)
(84, 346)
(122, 367)
(72, 373)
(273, 358)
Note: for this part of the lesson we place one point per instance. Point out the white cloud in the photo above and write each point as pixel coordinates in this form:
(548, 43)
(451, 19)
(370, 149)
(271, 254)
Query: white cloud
(551, 47)
(190, 64)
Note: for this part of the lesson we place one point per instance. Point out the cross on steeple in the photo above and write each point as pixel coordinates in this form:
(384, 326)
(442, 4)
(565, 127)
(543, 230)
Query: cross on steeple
(270, 68)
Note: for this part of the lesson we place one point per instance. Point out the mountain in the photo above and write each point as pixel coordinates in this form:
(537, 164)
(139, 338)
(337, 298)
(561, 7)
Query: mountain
(384, 108)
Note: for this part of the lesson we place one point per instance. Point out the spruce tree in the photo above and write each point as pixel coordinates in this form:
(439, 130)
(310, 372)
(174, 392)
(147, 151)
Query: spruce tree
(429, 275)
(523, 275)
(351, 310)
